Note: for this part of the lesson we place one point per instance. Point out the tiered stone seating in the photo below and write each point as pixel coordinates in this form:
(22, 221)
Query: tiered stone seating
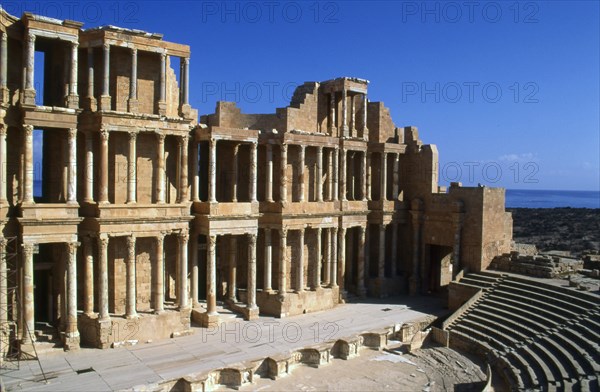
(536, 335)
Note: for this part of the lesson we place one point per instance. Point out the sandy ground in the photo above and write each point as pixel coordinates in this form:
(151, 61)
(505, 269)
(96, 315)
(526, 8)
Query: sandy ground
(431, 369)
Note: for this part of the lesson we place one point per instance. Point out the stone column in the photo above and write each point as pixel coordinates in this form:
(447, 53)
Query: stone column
(212, 171)
(30, 62)
(194, 273)
(211, 276)
(183, 294)
(352, 117)
(343, 175)
(234, 172)
(332, 108)
(89, 168)
(300, 265)
(301, 174)
(88, 281)
(383, 195)
(130, 308)
(351, 181)
(335, 174)
(253, 169)
(381, 264)
(3, 66)
(319, 174)
(105, 97)
(132, 104)
(369, 175)
(363, 176)
(195, 172)
(160, 169)
(28, 164)
(396, 176)
(283, 180)
(268, 261)
(91, 100)
(232, 284)
(162, 100)
(3, 161)
(132, 169)
(269, 180)
(251, 303)
(330, 175)
(186, 84)
(103, 277)
(345, 128)
(395, 241)
(282, 263)
(328, 258)
(318, 260)
(72, 169)
(103, 193)
(3, 283)
(364, 119)
(183, 172)
(361, 261)
(72, 334)
(333, 256)
(28, 311)
(73, 98)
(342, 256)
(159, 279)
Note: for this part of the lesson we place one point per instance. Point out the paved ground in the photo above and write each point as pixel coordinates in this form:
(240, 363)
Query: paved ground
(236, 341)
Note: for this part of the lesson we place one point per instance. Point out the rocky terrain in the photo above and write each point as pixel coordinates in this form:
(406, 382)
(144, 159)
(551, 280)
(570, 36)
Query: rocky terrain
(571, 229)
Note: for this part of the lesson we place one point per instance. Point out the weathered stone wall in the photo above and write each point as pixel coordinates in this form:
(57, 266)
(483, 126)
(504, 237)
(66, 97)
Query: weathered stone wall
(541, 266)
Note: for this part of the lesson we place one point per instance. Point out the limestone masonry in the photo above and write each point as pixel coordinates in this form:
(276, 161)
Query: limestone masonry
(146, 217)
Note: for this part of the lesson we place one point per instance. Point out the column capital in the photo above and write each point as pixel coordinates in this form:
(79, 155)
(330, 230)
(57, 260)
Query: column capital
(252, 239)
(183, 140)
(72, 247)
(106, 46)
(284, 147)
(160, 237)
(160, 136)
(132, 135)
(72, 133)
(163, 56)
(74, 44)
(2, 129)
(186, 60)
(283, 232)
(28, 129)
(104, 133)
(30, 37)
(134, 51)
(103, 241)
(184, 236)
(28, 249)
(131, 246)
(3, 36)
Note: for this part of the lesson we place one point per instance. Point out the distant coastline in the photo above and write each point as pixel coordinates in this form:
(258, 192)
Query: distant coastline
(528, 198)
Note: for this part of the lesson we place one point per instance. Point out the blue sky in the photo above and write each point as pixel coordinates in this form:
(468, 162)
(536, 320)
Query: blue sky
(508, 91)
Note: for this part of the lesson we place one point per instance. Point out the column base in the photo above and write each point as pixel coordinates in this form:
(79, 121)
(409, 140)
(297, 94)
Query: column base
(90, 103)
(71, 341)
(105, 102)
(205, 319)
(72, 101)
(28, 97)
(132, 105)
(162, 108)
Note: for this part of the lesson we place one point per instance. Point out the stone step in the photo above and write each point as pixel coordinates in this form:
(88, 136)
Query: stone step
(581, 298)
(498, 327)
(502, 340)
(476, 282)
(556, 367)
(504, 319)
(519, 313)
(480, 338)
(564, 356)
(483, 277)
(564, 307)
(577, 351)
(527, 374)
(511, 373)
(544, 375)
(551, 311)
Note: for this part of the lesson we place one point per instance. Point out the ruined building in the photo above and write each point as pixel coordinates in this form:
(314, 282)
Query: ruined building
(145, 217)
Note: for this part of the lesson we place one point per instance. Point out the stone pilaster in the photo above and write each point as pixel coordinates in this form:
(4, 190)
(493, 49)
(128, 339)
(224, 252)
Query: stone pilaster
(88, 196)
(330, 175)
(361, 290)
(396, 177)
(318, 260)
(130, 305)
(343, 177)
(352, 116)
(327, 268)
(183, 171)
(283, 176)
(253, 171)
(332, 109)
(195, 172)
(269, 171)
(319, 174)
(381, 263)
(383, 172)
(194, 290)
(342, 258)
(345, 128)
(335, 174)
(369, 177)
(301, 171)
(334, 256)
(364, 118)
(363, 175)
(234, 172)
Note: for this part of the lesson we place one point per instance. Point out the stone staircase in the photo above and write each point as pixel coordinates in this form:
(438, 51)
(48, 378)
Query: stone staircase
(536, 335)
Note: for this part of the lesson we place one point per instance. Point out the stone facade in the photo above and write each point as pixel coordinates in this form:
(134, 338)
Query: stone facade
(146, 217)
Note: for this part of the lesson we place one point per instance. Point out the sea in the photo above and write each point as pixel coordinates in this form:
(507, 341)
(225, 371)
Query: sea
(520, 198)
